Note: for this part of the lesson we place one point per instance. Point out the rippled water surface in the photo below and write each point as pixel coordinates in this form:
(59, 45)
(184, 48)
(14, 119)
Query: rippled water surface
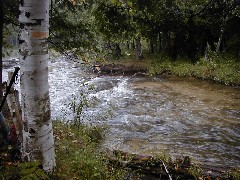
(155, 115)
(177, 116)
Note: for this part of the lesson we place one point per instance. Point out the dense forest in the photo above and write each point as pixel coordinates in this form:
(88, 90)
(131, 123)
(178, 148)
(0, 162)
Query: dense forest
(168, 30)
(177, 28)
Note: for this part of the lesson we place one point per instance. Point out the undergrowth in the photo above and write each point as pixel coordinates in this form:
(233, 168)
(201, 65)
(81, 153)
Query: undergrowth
(224, 69)
(78, 155)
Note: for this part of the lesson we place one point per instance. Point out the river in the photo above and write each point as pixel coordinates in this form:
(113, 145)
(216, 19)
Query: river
(153, 115)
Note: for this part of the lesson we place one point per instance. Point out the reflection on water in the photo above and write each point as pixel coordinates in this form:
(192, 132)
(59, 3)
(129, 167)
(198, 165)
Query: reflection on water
(177, 116)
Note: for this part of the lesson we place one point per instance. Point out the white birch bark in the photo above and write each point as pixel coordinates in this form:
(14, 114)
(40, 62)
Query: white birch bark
(38, 141)
(221, 33)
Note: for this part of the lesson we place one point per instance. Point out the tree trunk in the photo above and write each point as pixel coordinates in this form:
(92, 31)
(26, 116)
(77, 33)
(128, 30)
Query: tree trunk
(133, 45)
(117, 51)
(14, 110)
(1, 46)
(4, 131)
(165, 41)
(138, 48)
(38, 141)
(151, 46)
(221, 33)
(159, 42)
(127, 45)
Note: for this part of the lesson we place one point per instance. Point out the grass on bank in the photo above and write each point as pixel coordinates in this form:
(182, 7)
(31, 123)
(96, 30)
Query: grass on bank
(78, 153)
(220, 68)
(79, 156)
(224, 69)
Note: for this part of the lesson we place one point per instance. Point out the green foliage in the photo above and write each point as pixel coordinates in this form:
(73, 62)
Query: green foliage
(77, 153)
(72, 28)
(220, 68)
(31, 170)
(159, 65)
(223, 69)
(78, 156)
(77, 107)
(10, 25)
(111, 20)
(195, 171)
(22, 171)
(176, 27)
(233, 174)
(9, 172)
(10, 12)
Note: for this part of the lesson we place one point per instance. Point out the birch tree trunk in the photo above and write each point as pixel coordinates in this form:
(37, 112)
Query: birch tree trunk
(38, 141)
(225, 19)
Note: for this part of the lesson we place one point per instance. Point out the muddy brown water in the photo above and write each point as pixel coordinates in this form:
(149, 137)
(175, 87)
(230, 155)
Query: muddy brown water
(178, 117)
(154, 115)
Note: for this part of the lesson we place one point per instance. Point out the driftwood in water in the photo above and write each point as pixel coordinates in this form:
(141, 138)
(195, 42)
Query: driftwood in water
(156, 168)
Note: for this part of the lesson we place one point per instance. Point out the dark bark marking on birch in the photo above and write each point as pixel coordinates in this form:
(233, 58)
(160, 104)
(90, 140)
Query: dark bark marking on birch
(22, 2)
(27, 14)
(32, 131)
(25, 125)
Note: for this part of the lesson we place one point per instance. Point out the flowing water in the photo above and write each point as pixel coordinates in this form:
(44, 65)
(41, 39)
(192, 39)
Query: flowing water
(154, 115)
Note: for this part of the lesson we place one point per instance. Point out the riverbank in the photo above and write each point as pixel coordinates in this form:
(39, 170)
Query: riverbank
(79, 156)
(70, 144)
(223, 69)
